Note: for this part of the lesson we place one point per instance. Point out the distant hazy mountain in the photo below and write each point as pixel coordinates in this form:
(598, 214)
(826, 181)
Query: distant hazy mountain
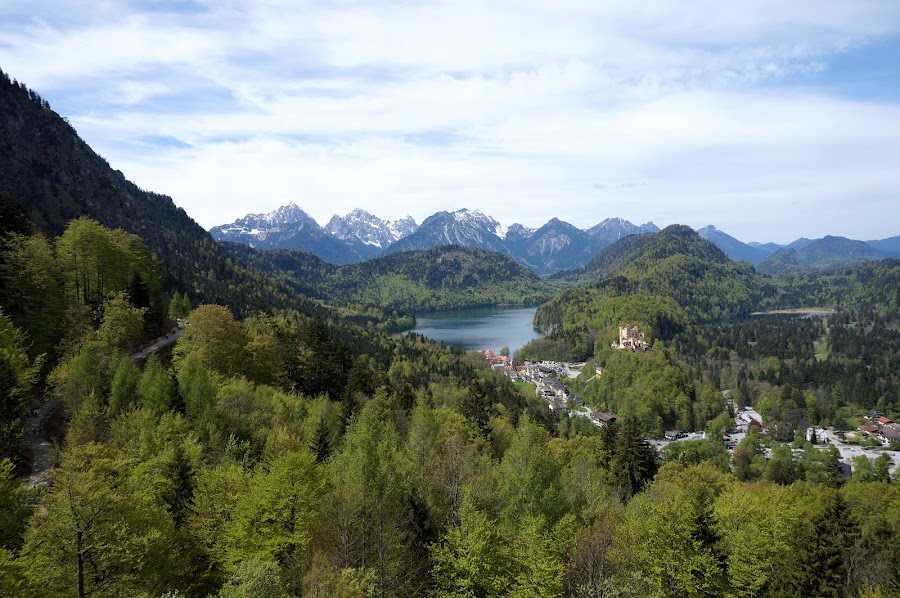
(799, 243)
(468, 228)
(360, 225)
(768, 248)
(891, 244)
(289, 227)
(555, 246)
(733, 248)
(822, 254)
(649, 227)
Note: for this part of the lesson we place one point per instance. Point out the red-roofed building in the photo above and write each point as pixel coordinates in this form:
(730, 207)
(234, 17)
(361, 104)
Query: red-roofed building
(884, 420)
(868, 428)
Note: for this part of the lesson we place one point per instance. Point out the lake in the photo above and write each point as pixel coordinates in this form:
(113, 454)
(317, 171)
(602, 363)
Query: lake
(481, 327)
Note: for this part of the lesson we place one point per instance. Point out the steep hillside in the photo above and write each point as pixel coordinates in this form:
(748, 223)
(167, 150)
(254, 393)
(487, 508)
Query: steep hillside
(441, 277)
(57, 177)
(827, 253)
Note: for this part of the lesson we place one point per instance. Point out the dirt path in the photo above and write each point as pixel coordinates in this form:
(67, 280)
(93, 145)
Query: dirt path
(42, 451)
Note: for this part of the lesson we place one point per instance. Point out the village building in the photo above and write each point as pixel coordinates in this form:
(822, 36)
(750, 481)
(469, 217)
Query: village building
(604, 419)
(890, 434)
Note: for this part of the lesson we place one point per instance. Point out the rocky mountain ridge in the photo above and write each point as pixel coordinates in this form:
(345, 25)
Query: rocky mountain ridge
(553, 247)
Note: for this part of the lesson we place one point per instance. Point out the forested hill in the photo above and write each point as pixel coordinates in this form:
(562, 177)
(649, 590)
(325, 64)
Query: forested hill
(827, 253)
(676, 263)
(56, 177)
(438, 278)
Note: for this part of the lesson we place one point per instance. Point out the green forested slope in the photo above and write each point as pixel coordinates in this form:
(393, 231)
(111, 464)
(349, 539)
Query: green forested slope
(676, 263)
(440, 278)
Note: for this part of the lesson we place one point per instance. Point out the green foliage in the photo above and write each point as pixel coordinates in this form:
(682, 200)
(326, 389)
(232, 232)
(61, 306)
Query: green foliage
(123, 392)
(666, 536)
(179, 305)
(677, 263)
(587, 315)
(98, 262)
(434, 279)
(529, 478)
(275, 519)
(651, 388)
(474, 559)
(756, 525)
(156, 388)
(369, 515)
(31, 290)
(255, 578)
(98, 530)
(121, 324)
(14, 508)
(17, 374)
(633, 460)
(217, 339)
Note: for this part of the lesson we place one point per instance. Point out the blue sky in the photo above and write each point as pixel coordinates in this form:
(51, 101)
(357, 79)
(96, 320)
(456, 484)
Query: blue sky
(770, 119)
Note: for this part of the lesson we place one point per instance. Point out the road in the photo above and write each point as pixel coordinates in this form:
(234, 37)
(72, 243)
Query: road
(157, 345)
(42, 450)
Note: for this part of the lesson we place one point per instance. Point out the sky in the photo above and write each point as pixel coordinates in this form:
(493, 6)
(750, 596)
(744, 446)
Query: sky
(769, 119)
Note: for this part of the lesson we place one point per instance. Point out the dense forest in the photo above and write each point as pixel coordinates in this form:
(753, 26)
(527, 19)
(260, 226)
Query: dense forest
(411, 281)
(286, 446)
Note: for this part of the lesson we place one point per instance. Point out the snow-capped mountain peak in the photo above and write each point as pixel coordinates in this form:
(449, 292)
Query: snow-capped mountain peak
(613, 229)
(360, 225)
(476, 219)
(263, 224)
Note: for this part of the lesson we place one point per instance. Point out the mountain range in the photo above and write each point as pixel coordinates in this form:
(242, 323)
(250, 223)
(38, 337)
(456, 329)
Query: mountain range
(556, 246)
(359, 236)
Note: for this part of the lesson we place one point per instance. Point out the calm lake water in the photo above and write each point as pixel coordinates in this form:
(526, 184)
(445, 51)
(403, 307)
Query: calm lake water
(480, 328)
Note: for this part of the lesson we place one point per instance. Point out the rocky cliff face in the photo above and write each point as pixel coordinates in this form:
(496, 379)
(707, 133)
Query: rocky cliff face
(359, 225)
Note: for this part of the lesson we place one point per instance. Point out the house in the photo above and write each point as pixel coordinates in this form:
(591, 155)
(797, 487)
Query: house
(868, 428)
(674, 434)
(884, 420)
(603, 418)
(890, 434)
(816, 435)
